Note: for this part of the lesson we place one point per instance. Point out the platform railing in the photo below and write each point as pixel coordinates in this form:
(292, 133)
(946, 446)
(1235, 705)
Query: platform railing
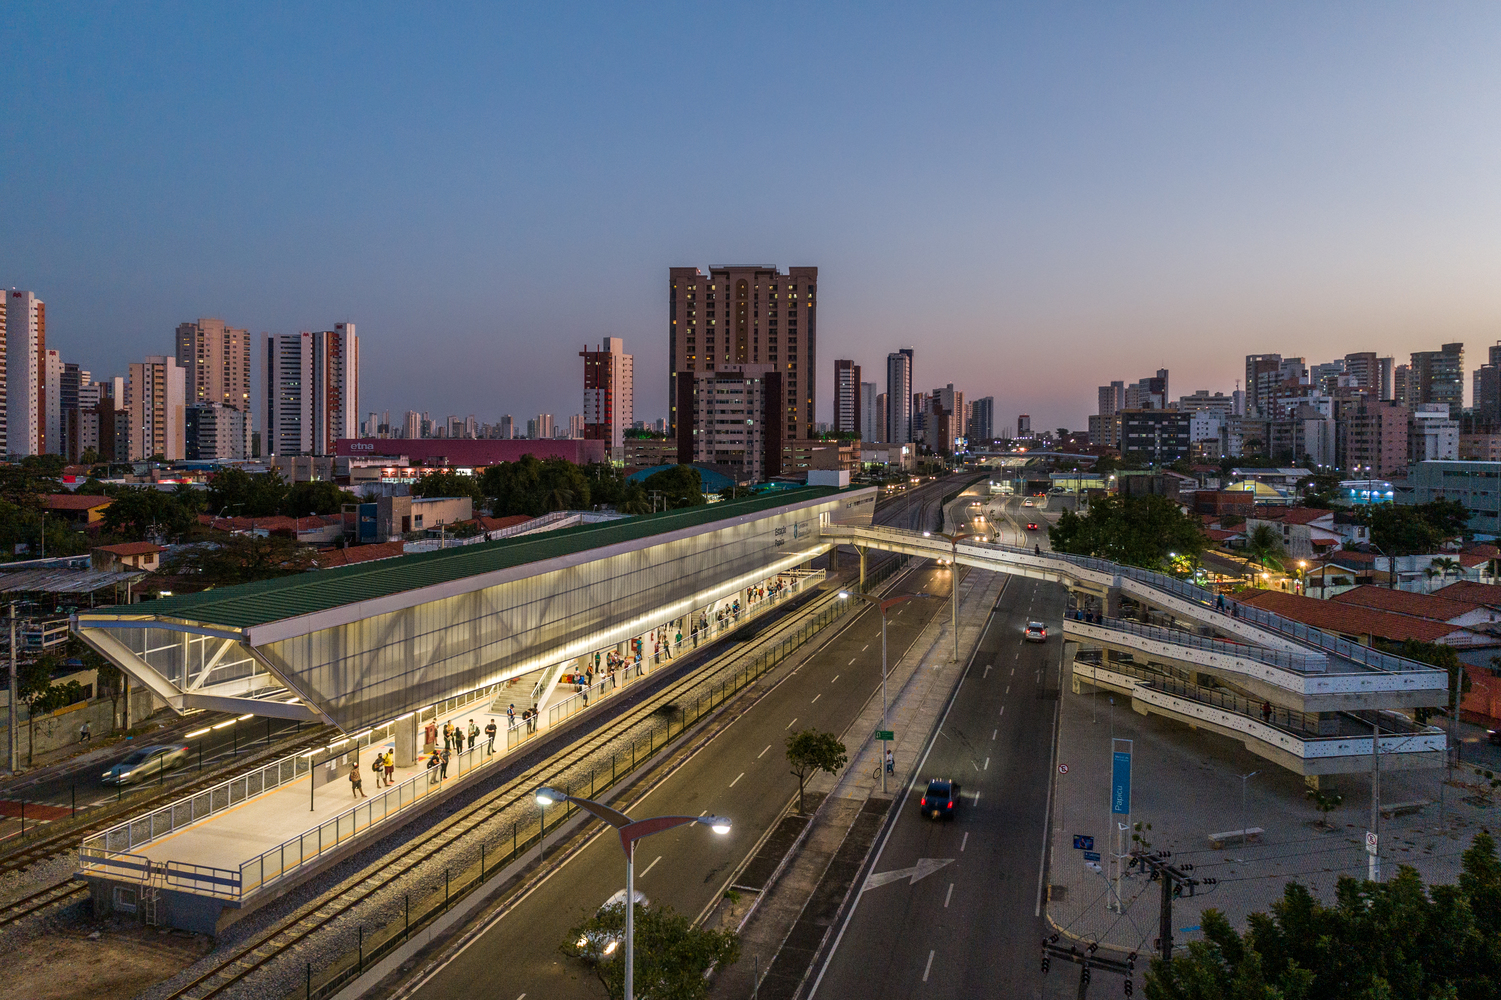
(632, 670)
(200, 879)
(1287, 660)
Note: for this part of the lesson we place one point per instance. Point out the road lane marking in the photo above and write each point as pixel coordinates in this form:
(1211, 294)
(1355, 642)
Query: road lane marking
(789, 725)
(974, 765)
(650, 867)
(704, 813)
(1003, 709)
(993, 734)
(816, 697)
(1008, 688)
(864, 647)
(851, 663)
(928, 968)
(977, 797)
(987, 764)
(763, 752)
(946, 896)
(963, 843)
(834, 678)
(987, 672)
(1013, 672)
(737, 779)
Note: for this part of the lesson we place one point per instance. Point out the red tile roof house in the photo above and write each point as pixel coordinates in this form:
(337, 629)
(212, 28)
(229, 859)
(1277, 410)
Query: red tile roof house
(1306, 532)
(127, 555)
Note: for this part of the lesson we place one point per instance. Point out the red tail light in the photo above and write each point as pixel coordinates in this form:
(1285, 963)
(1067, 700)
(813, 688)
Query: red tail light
(924, 800)
(951, 805)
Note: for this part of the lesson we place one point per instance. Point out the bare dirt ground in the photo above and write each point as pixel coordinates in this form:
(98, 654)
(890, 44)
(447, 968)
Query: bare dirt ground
(95, 962)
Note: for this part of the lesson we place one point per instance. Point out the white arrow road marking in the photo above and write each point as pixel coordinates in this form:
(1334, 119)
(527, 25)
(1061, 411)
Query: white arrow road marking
(923, 868)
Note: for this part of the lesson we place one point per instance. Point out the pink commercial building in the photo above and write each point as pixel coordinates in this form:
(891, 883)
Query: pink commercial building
(469, 452)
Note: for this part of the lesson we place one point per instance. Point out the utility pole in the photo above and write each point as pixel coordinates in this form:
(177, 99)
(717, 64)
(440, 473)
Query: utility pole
(10, 739)
(1175, 882)
(1373, 844)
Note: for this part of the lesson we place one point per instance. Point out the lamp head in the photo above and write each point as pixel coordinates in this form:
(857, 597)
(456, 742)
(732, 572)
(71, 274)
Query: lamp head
(927, 534)
(550, 796)
(844, 594)
(718, 824)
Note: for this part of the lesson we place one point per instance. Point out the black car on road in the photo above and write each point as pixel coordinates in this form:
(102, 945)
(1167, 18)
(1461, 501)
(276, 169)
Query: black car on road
(941, 798)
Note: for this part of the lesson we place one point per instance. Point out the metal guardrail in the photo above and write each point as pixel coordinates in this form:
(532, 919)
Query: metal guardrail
(200, 879)
(1208, 601)
(1298, 662)
(142, 830)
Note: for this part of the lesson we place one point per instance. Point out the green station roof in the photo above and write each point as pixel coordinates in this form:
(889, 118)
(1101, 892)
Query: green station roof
(249, 604)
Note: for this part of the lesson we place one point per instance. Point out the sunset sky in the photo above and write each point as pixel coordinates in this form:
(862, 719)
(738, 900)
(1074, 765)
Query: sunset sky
(1039, 198)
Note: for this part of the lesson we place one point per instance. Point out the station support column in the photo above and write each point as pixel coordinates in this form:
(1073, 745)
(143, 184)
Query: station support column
(406, 741)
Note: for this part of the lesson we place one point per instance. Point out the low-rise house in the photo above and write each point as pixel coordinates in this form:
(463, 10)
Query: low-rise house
(127, 555)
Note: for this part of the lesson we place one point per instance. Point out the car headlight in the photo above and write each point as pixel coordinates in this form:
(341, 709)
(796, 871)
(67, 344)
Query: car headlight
(125, 774)
(107, 774)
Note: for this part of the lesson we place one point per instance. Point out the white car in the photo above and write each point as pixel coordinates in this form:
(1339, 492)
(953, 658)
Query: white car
(602, 946)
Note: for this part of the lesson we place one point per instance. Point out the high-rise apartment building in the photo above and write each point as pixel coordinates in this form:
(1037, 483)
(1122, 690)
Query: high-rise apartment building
(945, 421)
(899, 396)
(1401, 384)
(52, 394)
(216, 357)
(25, 374)
(746, 315)
(4, 364)
(982, 421)
(1024, 426)
(1438, 377)
(1263, 371)
(1149, 393)
(216, 431)
(507, 427)
(871, 424)
(312, 390)
(609, 392)
(1374, 437)
(1486, 401)
(1112, 399)
(155, 394)
(846, 397)
(731, 418)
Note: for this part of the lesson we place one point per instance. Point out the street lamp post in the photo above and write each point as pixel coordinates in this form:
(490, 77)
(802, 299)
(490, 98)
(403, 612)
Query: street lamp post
(1243, 827)
(953, 541)
(1303, 577)
(885, 605)
(630, 831)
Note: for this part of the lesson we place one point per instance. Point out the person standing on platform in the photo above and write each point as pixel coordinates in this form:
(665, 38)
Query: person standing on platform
(511, 716)
(378, 765)
(432, 766)
(443, 764)
(490, 734)
(473, 733)
(355, 785)
(534, 717)
(390, 765)
(447, 735)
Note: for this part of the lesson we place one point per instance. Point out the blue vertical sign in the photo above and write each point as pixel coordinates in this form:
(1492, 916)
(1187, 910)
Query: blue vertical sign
(367, 514)
(1120, 783)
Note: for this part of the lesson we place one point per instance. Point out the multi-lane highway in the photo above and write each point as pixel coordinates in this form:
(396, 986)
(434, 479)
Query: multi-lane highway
(970, 928)
(741, 774)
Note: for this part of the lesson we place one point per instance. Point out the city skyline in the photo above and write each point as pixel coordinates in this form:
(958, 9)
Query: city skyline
(1256, 185)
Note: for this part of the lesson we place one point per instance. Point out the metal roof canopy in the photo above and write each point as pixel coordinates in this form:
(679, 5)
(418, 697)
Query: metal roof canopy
(65, 581)
(362, 643)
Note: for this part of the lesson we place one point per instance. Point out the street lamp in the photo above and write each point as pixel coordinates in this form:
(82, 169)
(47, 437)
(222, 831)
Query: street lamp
(630, 830)
(953, 541)
(885, 604)
(1303, 577)
(1243, 779)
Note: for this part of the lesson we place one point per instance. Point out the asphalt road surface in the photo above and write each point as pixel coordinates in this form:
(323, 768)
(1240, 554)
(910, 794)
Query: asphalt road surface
(970, 927)
(742, 774)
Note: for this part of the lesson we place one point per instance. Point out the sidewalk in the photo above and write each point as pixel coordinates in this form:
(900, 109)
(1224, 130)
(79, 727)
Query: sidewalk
(1186, 784)
(918, 686)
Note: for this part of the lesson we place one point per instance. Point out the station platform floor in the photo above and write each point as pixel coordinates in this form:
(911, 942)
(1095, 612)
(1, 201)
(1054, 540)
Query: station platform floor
(243, 832)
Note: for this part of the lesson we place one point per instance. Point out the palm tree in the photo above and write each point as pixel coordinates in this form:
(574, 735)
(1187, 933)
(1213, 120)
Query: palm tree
(1447, 566)
(560, 499)
(1431, 574)
(1263, 545)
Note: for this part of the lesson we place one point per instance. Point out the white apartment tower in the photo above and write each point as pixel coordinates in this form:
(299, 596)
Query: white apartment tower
(25, 374)
(155, 396)
(312, 391)
(609, 392)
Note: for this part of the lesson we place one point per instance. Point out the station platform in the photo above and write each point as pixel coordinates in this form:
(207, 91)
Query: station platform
(200, 863)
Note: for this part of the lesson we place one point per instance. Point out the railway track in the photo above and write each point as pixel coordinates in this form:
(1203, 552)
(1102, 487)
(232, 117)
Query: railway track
(60, 892)
(298, 927)
(60, 843)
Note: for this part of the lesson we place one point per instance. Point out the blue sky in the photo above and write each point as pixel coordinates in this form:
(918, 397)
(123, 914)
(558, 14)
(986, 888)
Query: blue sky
(1038, 197)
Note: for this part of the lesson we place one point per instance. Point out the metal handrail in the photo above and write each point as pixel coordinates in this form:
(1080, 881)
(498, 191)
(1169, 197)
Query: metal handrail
(1299, 662)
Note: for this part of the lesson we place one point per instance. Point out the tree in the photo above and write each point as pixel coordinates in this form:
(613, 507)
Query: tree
(446, 483)
(317, 497)
(34, 689)
(1446, 566)
(1408, 530)
(680, 486)
(1376, 940)
(1135, 530)
(1263, 545)
(237, 493)
(1325, 801)
(1438, 655)
(241, 559)
(533, 487)
(810, 751)
(672, 955)
(138, 511)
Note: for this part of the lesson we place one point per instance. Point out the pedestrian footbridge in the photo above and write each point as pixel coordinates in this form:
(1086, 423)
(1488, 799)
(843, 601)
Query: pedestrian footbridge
(1301, 697)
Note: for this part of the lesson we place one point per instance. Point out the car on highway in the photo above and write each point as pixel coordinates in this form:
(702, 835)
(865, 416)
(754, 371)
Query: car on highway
(1493, 737)
(1032, 526)
(1035, 632)
(940, 799)
(1027, 502)
(603, 945)
(146, 763)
